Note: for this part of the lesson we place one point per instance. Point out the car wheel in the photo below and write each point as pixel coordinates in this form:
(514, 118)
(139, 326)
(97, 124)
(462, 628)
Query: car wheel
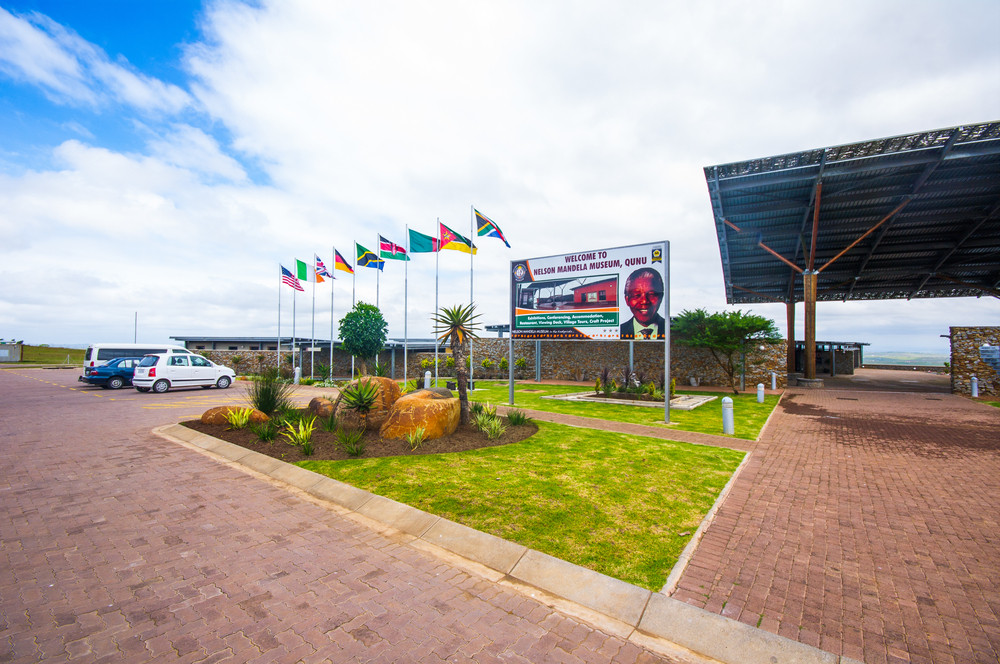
(161, 386)
(142, 389)
(223, 382)
(115, 383)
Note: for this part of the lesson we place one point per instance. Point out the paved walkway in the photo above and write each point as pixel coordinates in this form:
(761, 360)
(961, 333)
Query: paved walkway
(117, 546)
(866, 524)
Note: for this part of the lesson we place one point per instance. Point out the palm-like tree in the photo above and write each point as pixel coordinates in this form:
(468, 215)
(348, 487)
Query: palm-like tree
(458, 325)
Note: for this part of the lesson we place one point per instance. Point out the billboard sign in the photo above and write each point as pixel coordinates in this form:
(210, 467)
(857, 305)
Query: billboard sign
(606, 294)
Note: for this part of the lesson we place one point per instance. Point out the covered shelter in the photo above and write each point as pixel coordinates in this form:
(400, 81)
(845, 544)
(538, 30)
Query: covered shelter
(902, 217)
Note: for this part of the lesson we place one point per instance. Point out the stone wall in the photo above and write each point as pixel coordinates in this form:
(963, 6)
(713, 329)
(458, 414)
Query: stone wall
(966, 363)
(561, 360)
(584, 360)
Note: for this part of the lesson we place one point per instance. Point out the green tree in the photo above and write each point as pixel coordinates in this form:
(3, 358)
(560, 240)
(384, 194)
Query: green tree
(725, 334)
(458, 325)
(363, 332)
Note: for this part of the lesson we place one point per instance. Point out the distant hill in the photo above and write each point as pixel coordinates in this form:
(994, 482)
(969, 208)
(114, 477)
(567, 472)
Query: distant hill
(915, 359)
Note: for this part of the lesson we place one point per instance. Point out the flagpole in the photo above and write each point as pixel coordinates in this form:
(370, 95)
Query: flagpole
(406, 291)
(354, 291)
(277, 358)
(379, 245)
(437, 264)
(472, 256)
(293, 330)
(332, 278)
(312, 346)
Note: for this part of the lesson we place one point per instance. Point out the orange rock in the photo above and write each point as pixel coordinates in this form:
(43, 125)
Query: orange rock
(435, 413)
(388, 393)
(218, 415)
(321, 407)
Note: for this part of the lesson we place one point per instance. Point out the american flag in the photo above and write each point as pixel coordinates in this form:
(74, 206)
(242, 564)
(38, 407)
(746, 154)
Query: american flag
(289, 279)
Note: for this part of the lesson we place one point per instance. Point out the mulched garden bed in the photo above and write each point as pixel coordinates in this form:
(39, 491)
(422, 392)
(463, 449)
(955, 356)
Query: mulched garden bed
(325, 444)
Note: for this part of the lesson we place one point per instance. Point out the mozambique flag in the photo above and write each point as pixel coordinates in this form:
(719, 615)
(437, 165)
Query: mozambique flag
(488, 227)
(391, 250)
(340, 264)
(366, 258)
(423, 244)
(452, 240)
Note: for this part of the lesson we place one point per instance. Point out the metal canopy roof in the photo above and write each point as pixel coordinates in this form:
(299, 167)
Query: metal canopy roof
(918, 216)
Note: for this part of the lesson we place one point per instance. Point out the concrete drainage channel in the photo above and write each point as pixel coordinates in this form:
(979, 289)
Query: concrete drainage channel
(649, 619)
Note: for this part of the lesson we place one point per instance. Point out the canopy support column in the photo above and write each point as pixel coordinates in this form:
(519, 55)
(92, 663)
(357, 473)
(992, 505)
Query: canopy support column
(809, 278)
(790, 350)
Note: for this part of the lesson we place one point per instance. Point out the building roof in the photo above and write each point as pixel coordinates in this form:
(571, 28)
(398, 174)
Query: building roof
(918, 216)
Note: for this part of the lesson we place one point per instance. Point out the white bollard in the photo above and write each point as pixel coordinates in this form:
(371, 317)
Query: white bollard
(774, 381)
(728, 425)
(427, 380)
(298, 375)
(760, 392)
(975, 387)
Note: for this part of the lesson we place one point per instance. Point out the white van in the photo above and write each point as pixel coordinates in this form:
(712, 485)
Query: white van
(161, 371)
(98, 354)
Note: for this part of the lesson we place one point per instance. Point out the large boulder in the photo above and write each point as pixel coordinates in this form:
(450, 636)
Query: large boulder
(321, 407)
(388, 393)
(218, 415)
(435, 413)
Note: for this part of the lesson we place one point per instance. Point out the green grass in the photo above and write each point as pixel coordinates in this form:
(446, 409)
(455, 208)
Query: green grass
(622, 505)
(749, 415)
(51, 355)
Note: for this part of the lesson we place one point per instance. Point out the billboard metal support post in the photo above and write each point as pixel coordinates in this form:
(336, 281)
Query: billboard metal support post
(666, 333)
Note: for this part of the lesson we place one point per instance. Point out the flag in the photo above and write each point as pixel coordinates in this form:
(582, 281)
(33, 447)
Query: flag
(303, 272)
(340, 264)
(368, 259)
(391, 250)
(488, 227)
(422, 244)
(321, 270)
(452, 240)
(289, 279)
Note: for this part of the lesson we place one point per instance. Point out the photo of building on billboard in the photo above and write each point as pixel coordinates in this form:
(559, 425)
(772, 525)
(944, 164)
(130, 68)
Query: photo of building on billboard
(604, 294)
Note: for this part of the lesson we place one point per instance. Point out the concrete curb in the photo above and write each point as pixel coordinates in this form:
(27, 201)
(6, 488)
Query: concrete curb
(650, 620)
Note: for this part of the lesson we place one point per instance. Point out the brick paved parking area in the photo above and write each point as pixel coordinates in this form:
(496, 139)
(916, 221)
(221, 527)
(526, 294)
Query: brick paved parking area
(117, 546)
(867, 524)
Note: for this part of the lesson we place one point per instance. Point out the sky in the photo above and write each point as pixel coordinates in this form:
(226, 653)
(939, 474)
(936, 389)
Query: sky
(159, 160)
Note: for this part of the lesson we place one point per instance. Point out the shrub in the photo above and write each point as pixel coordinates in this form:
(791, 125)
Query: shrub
(426, 363)
(493, 428)
(521, 363)
(265, 431)
(360, 397)
(412, 385)
(486, 364)
(504, 364)
(449, 362)
(352, 441)
(415, 438)
(330, 423)
(238, 418)
(476, 407)
(268, 394)
(381, 369)
(517, 417)
(300, 433)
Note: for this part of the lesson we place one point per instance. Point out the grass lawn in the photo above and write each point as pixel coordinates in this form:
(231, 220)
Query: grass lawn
(749, 415)
(622, 505)
(51, 355)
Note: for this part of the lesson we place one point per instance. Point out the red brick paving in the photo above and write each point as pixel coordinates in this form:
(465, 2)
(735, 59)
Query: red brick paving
(119, 546)
(867, 524)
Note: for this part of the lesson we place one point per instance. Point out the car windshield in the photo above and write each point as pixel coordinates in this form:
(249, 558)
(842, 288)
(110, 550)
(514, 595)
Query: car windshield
(149, 361)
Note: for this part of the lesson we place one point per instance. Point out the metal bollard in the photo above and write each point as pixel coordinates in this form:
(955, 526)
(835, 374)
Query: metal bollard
(760, 392)
(975, 387)
(774, 381)
(427, 380)
(728, 425)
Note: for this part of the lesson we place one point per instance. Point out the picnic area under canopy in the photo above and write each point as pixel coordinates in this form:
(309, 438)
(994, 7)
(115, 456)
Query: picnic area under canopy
(910, 216)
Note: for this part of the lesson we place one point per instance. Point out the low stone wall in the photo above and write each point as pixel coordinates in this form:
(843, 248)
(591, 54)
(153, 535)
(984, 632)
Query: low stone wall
(966, 363)
(584, 361)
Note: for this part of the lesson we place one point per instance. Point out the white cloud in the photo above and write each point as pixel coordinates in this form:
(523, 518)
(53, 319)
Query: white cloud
(573, 125)
(38, 51)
